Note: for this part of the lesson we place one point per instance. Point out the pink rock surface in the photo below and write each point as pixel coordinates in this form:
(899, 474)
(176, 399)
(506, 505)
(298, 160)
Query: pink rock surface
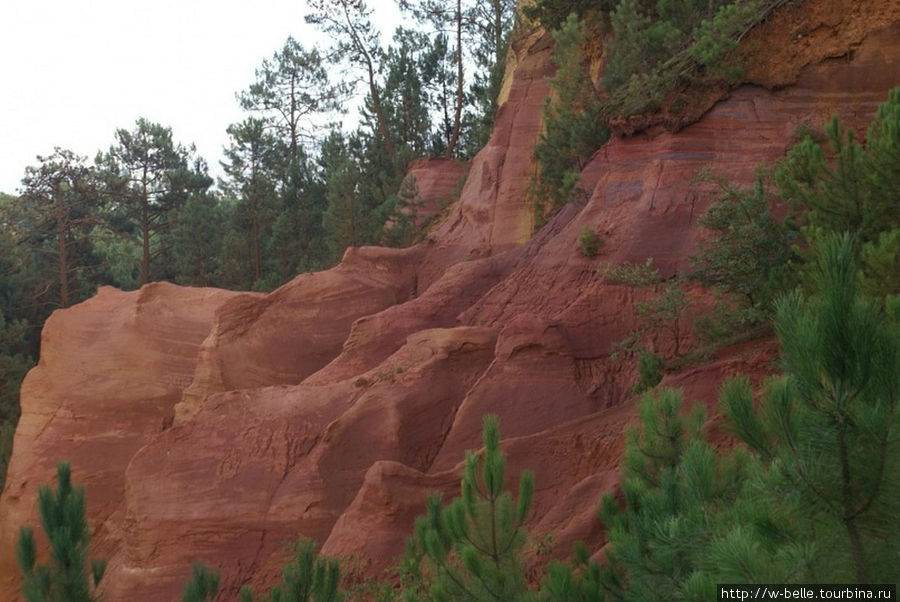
(434, 185)
(217, 427)
(110, 373)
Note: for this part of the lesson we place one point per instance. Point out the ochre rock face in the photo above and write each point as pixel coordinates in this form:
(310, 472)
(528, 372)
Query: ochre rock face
(430, 186)
(110, 373)
(216, 427)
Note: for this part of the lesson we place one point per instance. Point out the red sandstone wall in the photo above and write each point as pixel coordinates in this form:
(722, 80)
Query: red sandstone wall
(214, 426)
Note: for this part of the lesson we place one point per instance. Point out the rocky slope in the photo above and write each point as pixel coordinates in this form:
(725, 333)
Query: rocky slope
(214, 426)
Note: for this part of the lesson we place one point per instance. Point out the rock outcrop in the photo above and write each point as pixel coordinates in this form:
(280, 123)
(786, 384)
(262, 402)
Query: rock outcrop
(214, 426)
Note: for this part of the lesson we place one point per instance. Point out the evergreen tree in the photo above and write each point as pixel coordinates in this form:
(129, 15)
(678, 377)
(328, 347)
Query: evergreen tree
(553, 13)
(692, 518)
(347, 219)
(581, 582)
(151, 176)
(446, 19)
(406, 104)
(656, 538)
(290, 89)
(15, 362)
(18, 339)
(472, 548)
(253, 165)
(438, 77)
(829, 425)
(66, 578)
(195, 241)
(660, 313)
(203, 585)
(748, 258)
(489, 24)
(308, 577)
(573, 129)
(848, 187)
(356, 40)
(59, 206)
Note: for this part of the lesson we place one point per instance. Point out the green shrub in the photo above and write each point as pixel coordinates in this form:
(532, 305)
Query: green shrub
(650, 371)
(748, 259)
(573, 129)
(589, 242)
(203, 585)
(659, 47)
(307, 577)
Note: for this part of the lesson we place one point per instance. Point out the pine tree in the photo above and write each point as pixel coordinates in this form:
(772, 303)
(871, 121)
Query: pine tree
(65, 579)
(690, 519)
(60, 204)
(573, 129)
(253, 167)
(446, 19)
(662, 312)
(471, 549)
(356, 40)
(346, 219)
(151, 176)
(291, 88)
(203, 585)
(308, 577)
(848, 187)
(582, 582)
(489, 24)
(195, 241)
(747, 259)
(829, 425)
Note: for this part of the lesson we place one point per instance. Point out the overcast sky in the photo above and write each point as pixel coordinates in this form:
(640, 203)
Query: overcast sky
(73, 71)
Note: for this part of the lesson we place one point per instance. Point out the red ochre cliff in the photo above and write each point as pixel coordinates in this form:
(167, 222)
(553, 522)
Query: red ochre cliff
(216, 426)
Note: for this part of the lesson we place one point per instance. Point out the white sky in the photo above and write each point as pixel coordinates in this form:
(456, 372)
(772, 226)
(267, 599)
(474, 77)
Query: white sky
(73, 71)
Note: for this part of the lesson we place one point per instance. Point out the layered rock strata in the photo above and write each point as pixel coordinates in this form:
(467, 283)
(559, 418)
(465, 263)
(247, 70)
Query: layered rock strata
(217, 427)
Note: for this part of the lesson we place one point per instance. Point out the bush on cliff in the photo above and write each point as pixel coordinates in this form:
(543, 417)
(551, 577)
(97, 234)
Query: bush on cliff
(202, 586)
(656, 47)
(748, 259)
(573, 129)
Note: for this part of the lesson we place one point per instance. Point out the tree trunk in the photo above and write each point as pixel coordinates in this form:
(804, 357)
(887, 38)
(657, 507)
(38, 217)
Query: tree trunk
(293, 122)
(145, 230)
(457, 116)
(373, 89)
(848, 515)
(379, 114)
(257, 272)
(62, 249)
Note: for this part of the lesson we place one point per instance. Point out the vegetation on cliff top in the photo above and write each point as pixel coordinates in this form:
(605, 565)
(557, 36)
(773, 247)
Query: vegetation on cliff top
(651, 50)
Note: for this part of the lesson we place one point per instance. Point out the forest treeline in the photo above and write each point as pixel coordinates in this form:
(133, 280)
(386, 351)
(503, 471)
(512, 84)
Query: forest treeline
(297, 188)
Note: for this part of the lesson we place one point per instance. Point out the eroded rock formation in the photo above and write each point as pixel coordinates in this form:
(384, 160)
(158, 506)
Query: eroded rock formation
(214, 426)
